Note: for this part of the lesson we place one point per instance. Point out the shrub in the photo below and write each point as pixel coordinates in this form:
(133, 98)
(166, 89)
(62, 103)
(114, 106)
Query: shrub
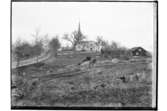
(115, 53)
(54, 45)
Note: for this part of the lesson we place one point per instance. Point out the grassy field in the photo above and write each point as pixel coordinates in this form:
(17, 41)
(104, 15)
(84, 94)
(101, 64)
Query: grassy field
(61, 82)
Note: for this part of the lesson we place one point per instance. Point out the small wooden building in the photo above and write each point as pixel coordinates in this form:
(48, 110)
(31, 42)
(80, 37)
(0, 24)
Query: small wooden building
(139, 51)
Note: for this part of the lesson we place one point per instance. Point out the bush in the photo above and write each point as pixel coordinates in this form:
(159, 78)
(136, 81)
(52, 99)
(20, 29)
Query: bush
(54, 45)
(115, 53)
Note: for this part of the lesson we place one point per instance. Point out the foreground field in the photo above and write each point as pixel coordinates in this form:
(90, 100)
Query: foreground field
(61, 82)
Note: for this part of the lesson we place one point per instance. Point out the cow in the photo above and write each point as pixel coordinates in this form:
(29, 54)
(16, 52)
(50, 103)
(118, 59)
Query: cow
(123, 78)
(92, 62)
(88, 60)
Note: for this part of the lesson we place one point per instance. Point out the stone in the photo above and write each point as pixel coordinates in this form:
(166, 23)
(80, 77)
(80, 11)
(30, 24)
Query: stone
(115, 60)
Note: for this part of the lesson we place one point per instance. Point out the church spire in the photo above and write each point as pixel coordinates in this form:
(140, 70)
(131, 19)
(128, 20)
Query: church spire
(79, 28)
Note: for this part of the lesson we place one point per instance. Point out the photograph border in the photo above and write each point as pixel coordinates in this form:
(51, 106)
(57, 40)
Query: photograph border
(86, 108)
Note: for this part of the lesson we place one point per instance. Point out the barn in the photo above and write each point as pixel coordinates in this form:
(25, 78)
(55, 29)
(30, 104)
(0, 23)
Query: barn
(139, 51)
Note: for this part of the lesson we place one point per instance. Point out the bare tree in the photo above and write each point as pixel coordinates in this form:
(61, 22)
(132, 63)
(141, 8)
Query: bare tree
(46, 40)
(101, 41)
(75, 38)
(114, 45)
(16, 51)
(38, 48)
(38, 45)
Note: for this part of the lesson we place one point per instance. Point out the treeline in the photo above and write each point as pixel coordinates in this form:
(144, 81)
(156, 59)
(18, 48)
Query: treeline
(41, 44)
(113, 49)
(23, 50)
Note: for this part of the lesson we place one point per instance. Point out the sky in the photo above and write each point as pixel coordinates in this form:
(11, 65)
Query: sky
(129, 24)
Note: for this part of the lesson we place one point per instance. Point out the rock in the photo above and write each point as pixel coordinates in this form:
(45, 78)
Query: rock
(115, 60)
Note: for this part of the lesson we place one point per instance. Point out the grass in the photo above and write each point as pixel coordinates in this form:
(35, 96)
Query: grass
(125, 97)
(99, 86)
(63, 60)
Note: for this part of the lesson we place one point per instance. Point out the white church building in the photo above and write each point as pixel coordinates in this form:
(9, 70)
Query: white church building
(87, 45)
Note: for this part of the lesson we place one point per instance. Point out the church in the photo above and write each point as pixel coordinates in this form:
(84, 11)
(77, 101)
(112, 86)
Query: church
(89, 46)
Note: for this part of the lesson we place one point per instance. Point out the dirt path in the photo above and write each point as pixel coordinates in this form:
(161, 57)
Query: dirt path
(40, 58)
(60, 75)
(30, 61)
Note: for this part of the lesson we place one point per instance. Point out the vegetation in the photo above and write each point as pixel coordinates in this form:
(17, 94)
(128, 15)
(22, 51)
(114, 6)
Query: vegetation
(113, 50)
(75, 38)
(101, 41)
(38, 48)
(98, 86)
(60, 81)
(22, 50)
(54, 45)
(25, 50)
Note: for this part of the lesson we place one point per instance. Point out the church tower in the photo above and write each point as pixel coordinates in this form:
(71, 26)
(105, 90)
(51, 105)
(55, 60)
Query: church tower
(79, 27)
(79, 30)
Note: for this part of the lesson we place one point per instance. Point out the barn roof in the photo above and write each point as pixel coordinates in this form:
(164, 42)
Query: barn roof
(134, 48)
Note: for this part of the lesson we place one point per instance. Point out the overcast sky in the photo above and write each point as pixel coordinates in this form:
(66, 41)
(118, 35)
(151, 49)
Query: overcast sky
(130, 24)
